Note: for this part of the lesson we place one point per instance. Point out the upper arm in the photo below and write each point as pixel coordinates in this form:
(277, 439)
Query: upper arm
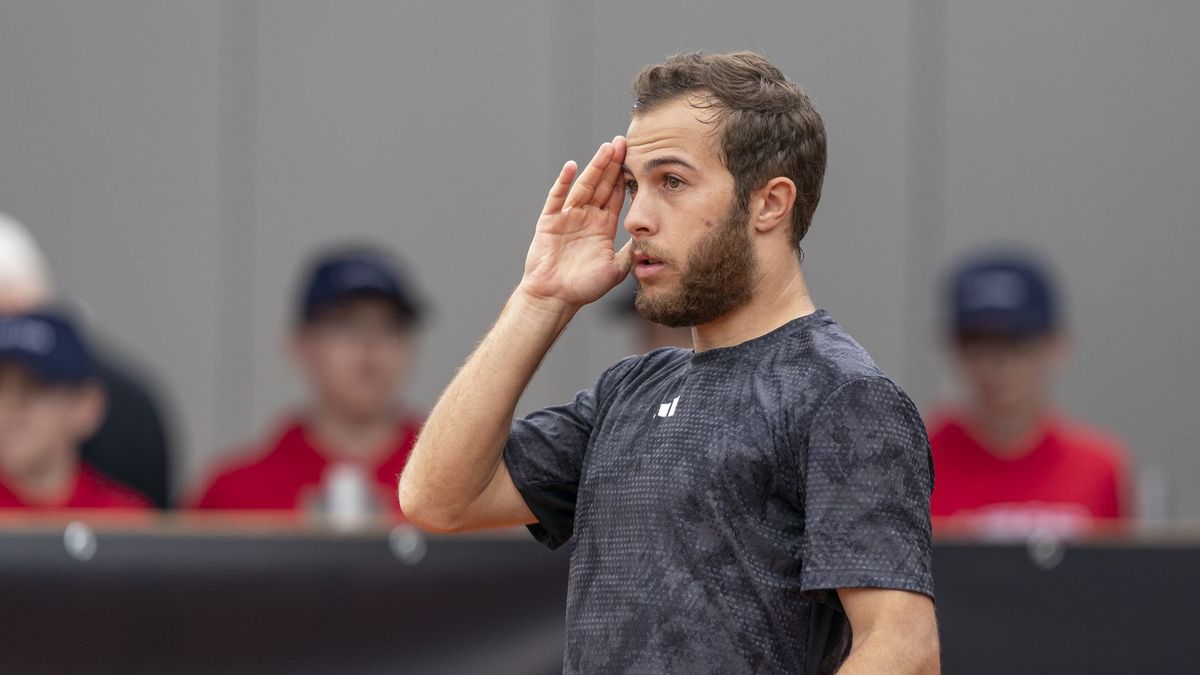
(542, 466)
(538, 477)
(896, 628)
(500, 505)
(867, 481)
(870, 609)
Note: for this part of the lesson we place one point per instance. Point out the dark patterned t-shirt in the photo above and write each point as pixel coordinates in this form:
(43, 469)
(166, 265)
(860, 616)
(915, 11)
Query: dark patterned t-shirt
(714, 497)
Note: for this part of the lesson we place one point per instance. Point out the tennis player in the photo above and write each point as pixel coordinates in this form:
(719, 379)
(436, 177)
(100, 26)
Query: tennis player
(756, 504)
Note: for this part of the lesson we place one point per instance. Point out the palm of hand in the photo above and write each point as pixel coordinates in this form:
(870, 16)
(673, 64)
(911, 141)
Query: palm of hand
(571, 258)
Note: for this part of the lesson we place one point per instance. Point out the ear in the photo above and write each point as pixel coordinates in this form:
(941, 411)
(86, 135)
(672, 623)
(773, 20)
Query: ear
(771, 205)
(91, 407)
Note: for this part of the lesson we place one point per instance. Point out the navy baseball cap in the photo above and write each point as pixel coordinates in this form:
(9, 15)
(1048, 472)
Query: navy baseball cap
(1004, 295)
(350, 274)
(48, 345)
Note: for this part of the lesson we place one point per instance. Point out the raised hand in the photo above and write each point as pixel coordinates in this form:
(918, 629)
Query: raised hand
(571, 259)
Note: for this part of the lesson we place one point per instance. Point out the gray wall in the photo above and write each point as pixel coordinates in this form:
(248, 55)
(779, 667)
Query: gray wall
(179, 159)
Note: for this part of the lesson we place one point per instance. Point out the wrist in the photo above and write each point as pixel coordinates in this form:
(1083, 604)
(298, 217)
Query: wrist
(548, 312)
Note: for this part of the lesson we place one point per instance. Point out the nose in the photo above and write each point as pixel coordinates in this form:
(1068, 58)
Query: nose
(640, 220)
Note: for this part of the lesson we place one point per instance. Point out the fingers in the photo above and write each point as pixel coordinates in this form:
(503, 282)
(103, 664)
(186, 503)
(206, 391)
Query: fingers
(584, 189)
(558, 192)
(612, 175)
(616, 196)
(600, 184)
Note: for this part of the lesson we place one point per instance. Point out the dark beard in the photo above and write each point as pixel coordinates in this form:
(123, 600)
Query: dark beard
(716, 279)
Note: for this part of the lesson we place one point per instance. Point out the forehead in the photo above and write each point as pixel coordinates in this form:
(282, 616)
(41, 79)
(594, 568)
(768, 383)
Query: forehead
(676, 128)
(361, 309)
(16, 298)
(14, 374)
(996, 344)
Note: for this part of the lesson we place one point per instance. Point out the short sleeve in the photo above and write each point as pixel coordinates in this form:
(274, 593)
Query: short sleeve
(545, 452)
(544, 455)
(867, 479)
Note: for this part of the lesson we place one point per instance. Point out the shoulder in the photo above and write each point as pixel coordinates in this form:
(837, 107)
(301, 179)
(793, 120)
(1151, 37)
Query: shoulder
(815, 372)
(822, 357)
(945, 424)
(638, 368)
(652, 361)
(277, 448)
(101, 491)
(250, 467)
(868, 427)
(869, 397)
(1091, 445)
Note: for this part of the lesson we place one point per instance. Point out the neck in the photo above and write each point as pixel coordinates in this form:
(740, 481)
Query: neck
(1008, 434)
(49, 481)
(354, 438)
(780, 295)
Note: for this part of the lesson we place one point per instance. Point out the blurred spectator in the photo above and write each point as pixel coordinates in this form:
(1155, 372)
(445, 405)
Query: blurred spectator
(1006, 461)
(50, 401)
(354, 341)
(648, 335)
(131, 445)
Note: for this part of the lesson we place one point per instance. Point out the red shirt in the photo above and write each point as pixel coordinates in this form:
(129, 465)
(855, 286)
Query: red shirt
(289, 475)
(1073, 478)
(92, 490)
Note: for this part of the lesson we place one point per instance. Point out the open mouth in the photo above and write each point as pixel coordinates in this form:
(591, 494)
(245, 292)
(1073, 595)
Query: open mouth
(646, 265)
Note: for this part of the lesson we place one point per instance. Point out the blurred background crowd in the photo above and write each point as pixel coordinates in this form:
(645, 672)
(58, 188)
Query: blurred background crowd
(81, 429)
(264, 235)
(244, 244)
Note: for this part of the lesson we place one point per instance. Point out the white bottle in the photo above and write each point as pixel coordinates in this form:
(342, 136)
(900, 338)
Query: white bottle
(347, 495)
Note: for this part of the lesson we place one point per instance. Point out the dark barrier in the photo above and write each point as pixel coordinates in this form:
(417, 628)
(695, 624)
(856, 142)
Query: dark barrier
(280, 603)
(1129, 606)
(167, 599)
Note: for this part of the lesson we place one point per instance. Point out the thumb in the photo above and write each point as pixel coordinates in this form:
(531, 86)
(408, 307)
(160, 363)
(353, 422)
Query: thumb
(624, 259)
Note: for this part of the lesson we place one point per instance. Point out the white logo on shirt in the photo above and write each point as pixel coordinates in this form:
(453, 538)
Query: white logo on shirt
(668, 409)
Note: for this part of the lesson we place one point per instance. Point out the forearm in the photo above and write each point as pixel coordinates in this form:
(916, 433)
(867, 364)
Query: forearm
(460, 448)
(455, 478)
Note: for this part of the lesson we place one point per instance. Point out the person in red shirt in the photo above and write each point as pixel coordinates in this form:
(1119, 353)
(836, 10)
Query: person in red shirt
(1007, 462)
(50, 403)
(354, 343)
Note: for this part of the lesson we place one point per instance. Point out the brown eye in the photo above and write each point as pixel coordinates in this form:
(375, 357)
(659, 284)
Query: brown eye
(673, 182)
(631, 186)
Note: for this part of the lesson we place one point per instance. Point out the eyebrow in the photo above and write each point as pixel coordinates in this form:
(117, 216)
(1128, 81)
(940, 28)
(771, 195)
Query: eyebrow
(657, 162)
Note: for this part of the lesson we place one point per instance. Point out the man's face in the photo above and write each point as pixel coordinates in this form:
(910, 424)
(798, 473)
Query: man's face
(692, 254)
(357, 356)
(16, 298)
(40, 421)
(1007, 375)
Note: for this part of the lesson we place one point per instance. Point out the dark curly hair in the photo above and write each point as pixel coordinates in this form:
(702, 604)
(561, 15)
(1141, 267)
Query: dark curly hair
(768, 125)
